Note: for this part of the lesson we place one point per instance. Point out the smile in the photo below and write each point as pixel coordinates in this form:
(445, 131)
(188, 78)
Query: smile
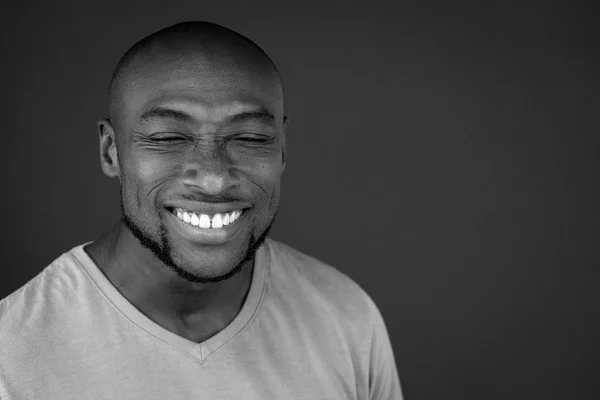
(206, 221)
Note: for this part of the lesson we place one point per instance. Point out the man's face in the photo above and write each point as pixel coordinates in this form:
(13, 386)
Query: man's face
(201, 138)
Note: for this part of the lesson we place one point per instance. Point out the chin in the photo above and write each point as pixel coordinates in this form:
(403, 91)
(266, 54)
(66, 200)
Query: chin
(200, 263)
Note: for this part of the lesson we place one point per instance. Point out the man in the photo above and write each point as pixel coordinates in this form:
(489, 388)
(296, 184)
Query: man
(186, 298)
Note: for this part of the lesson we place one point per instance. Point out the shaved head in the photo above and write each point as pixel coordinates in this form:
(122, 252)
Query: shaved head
(205, 44)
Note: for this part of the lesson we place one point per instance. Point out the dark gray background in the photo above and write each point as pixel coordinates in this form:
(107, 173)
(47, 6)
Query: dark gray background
(445, 156)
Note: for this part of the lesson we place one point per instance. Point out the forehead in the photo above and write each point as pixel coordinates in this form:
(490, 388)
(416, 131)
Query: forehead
(208, 90)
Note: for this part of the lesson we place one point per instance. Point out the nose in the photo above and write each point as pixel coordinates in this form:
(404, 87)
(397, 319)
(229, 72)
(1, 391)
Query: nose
(208, 171)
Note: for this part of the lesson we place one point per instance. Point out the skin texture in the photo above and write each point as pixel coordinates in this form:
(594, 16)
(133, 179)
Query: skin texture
(190, 288)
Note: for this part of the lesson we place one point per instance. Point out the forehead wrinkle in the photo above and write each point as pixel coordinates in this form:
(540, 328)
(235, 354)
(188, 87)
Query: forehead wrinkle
(206, 97)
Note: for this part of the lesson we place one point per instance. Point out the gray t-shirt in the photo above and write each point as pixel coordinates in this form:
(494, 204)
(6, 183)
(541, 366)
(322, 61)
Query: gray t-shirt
(305, 331)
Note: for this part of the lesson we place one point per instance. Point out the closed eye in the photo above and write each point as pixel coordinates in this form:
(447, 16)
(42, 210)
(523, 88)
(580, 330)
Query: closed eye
(166, 139)
(253, 139)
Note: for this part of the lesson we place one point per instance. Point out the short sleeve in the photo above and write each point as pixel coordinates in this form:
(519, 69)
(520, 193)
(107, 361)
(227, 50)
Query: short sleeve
(384, 382)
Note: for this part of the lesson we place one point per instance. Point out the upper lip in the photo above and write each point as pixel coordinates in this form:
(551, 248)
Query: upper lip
(208, 208)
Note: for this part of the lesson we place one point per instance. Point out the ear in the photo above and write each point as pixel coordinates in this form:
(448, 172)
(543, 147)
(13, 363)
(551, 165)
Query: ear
(283, 135)
(109, 157)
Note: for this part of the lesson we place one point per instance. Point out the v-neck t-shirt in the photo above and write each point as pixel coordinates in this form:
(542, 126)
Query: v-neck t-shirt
(305, 331)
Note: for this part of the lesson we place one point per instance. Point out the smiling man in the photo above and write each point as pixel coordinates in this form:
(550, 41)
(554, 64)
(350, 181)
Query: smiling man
(187, 297)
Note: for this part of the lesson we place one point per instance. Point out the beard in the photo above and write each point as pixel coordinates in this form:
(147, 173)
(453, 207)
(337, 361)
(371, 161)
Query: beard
(163, 249)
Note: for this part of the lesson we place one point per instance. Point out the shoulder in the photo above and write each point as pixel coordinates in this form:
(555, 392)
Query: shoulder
(38, 320)
(307, 279)
(36, 305)
(311, 271)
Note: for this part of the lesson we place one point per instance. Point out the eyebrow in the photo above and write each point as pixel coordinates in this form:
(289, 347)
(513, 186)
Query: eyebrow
(261, 115)
(160, 112)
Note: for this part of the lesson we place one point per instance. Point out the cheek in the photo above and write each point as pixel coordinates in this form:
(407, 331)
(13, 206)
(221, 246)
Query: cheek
(146, 175)
(267, 176)
(268, 168)
(152, 170)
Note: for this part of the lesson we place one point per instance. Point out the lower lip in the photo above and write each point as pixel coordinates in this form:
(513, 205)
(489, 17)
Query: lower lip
(209, 236)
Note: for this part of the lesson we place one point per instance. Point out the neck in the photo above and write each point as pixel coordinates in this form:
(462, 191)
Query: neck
(196, 311)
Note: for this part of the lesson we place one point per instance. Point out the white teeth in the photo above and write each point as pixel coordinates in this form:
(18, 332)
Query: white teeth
(217, 222)
(204, 220)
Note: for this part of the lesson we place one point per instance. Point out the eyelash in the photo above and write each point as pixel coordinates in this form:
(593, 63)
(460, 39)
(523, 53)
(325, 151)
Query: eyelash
(253, 140)
(167, 139)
